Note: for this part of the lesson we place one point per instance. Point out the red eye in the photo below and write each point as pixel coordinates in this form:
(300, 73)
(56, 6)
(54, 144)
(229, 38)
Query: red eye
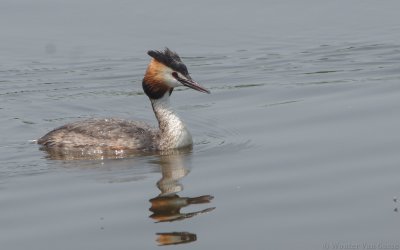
(175, 75)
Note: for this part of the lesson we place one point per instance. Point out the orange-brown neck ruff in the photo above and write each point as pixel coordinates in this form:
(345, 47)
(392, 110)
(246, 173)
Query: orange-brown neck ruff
(153, 82)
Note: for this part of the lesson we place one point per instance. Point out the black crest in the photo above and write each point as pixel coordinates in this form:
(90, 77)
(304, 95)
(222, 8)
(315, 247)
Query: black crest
(170, 59)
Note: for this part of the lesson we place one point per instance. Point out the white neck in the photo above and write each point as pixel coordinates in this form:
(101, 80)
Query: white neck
(173, 132)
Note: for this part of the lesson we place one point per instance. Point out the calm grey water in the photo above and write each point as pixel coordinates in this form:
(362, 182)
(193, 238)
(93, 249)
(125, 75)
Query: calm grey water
(297, 147)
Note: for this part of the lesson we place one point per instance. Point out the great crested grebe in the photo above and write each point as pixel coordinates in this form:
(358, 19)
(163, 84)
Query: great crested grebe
(95, 136)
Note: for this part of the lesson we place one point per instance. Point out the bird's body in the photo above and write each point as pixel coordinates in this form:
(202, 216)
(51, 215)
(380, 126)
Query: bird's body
(98, 136)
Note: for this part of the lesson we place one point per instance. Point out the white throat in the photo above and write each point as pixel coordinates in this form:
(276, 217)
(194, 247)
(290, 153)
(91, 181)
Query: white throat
(173, 132)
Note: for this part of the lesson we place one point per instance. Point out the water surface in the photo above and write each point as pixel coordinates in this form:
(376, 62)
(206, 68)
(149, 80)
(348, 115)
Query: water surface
(297, 147)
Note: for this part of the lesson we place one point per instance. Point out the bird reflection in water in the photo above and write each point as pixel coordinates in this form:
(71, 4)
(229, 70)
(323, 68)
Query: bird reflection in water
(166, 207)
